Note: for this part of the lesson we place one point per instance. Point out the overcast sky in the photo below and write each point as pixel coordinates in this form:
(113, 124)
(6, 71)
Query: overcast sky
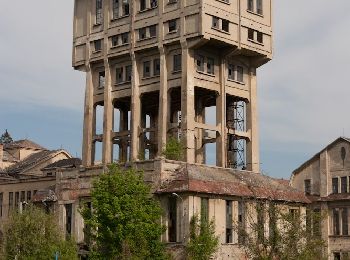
(303, 93)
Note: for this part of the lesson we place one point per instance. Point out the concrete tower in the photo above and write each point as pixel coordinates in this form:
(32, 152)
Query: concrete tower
(156, 69)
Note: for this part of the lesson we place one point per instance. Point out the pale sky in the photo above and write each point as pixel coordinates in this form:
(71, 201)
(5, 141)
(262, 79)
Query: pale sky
(303, 92)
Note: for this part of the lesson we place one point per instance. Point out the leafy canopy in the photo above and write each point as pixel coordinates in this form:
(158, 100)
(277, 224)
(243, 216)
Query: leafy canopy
(203, 242)
(173, 149)
(124, 221)
(34, 234)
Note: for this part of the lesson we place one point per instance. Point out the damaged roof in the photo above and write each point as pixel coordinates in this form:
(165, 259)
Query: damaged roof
(25, 143)
(30, 161)
(65, 163)
(221, 181)
(45, 195)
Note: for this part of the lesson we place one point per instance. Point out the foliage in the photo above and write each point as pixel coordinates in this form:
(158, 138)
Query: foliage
(33, 234)
(125, 217)
(203, 242)
(173, 149)
(289, 236)
(6, 138)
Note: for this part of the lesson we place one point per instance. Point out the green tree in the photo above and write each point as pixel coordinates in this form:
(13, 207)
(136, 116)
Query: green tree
(124, 220)
(203, 242)
(292, 235)
(33, 234)
(6, 138)
(173, 149)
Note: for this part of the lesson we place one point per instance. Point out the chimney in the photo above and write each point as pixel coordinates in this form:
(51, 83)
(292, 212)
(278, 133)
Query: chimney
(1, 152)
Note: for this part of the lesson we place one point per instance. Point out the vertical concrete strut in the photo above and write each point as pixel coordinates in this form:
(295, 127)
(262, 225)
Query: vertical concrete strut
(163, 102)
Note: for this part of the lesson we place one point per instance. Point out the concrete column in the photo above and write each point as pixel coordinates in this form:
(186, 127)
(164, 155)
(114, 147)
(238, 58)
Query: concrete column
(200, 118)
(135, 110)
(252, 154)
(221, 149)
(163, 102)
(88, 119)
(187, 103)
(107, 117)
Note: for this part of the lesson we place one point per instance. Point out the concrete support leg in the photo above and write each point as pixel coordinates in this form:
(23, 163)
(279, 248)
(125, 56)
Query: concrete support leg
(88, 120)
(187, 103)
(107, 117)
(253, 162)
(221, 153)
(136, 111)
(163, 103)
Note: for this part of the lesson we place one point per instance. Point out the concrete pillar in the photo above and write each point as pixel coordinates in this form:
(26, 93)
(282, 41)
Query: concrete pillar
(88, 119)
(200, 118)
(135, 110)
(107, 117)
(163, 102)
(252, 153)
(187, 103)
(221, 149)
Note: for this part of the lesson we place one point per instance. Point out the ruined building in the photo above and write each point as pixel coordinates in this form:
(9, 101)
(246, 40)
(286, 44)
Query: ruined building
(325, 179)
(165, 69)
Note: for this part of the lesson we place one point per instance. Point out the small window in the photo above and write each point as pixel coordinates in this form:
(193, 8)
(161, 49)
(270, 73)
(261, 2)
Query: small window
(146, 69)
(204, 209)
(154, 3)
(231, 72)
(172, 26)
(307, 186)
(99, 12)
(114, 40)
(97, 45)
(23, 196)
(229, 220)
(259, 7)
(345, 229)
(156, 67)
(335, 185)
(119, 75)
(260, 37)
(115, 9)
(215, 22)
(126, 7)
(10, 201)
(336, 256)
(153, 31)
(128, 73)
(69, 217)
(177, 62)
(101, 79)
(142, 5)
(29, 196)
(240, 73)
(210, 66)
(241, 222)
(142, 33)
(1, 202)
(251, 5)
(225, 25)
(344, 184)
(125, 38)
(336, 229)
(250, 34)
(200, 63)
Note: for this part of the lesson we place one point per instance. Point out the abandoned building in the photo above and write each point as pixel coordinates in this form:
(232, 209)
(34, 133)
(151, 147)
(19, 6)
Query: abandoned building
(24, 170)
(325, 179)
(163, 69)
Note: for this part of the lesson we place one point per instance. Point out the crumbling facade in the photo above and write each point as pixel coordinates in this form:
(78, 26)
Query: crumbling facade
(161, 69)
(325, 180)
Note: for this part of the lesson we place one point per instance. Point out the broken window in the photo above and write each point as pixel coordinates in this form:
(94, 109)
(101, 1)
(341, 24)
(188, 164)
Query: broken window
(125, 38)
(172, 219)
(172, 26)
(307, 186)
(210, 65)
(115, 9)
(229, 220)
(344, 184)
(69, 214)
(225, 25)
(128, 73)
(142, 33)
(336, 226)
(205, 209)
(154, 3)
(335, 185)
(200, 63)
(156, 67)
(153, 31)
(215, 22)
(126, 7)
(99, 12)
(344, 217)
(177, 62)
(146, 69)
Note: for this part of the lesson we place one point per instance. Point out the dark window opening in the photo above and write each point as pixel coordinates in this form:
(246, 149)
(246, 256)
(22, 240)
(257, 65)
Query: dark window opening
(142, 5)
(98, 45)
(172, 221)
(101, 79)
(128, 73)
(251, 34)
(153, 31)
(146, 69)
(200, 63)
(335, 185)
(156, 67)
(125, 38)
(115, 9)
(336, 229)
(225, 25)
(114, 40)
(260, 37)
(69, 214)
(205, 209)
(177, 62)
(126, 8)
(344, 184)
(307, 186)
(215, 22)
(210, 65)
(229, 236)
(99, 12)
(172, 26)
(345, 230)
(142, 33)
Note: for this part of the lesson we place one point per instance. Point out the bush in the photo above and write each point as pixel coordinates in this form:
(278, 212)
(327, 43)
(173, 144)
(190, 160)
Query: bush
(173, 149)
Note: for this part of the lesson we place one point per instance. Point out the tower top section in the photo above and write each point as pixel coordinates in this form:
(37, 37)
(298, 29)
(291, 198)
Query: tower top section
(108, 28)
